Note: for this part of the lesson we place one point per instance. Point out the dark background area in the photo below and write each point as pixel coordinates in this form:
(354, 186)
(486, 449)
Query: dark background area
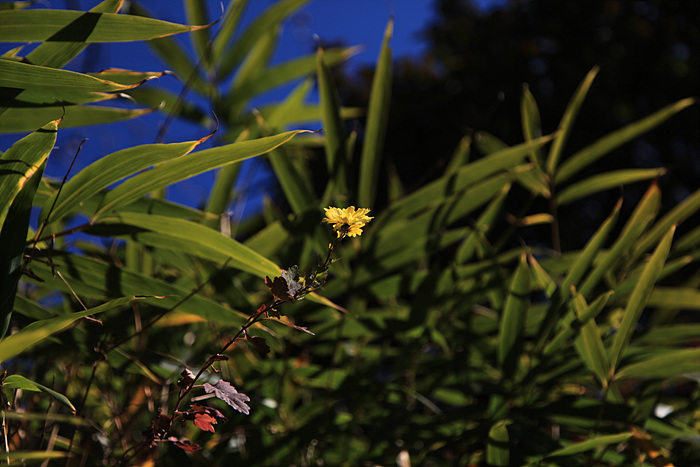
(471, 77)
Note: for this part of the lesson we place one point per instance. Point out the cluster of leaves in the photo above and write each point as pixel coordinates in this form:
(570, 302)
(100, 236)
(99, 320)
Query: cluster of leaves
(456, 348)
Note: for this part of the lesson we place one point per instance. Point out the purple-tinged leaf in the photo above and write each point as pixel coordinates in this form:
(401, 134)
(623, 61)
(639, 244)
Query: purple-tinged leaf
(227, 393)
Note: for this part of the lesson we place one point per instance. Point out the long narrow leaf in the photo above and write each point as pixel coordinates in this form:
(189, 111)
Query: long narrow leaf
(20, 382)
(186, 167)
(638, 299)
(17, 343)
(19, 120)
(378, 114)
(567, 122)
(513, 318)
(77, 26)
(606, 144)
(605, 181)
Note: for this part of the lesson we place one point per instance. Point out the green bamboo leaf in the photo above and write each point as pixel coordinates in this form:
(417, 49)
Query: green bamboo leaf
(675, 297)
(110, 169)
(21, 166)
(295, 184)
(608, 143)
(227, 27)
(666, 365)
(434, 192)
(573, 326)
(460, 156)
(186, 167)
(589, 444)
(58, 54)
(482, 226)
(24, 76)
(510, 327)
(35, 332)
(584, 259)
(638, 299)
(334, 132)
(168, 103)
(16, 4)
(22, 160)
(310, 113)
(20, 457)
(497, 450)
(87, 277)
(121, 76)
(196, 13)
(221, 193)
(20, 382)
(377, 117)
(10, 97)
(78, 26)
(270, 77)
(567, 122)
(488, 143)
(690, 206)
(268, 21)
(19, 120)
(643, 214)
(589, 344)
(202, 240)
(605, 181)
(530, 120)
(257, 59)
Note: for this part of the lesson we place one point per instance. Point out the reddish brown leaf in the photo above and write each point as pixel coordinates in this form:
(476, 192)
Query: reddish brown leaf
(279, 289)
(187, 379)
(185, 444)
(204, 421)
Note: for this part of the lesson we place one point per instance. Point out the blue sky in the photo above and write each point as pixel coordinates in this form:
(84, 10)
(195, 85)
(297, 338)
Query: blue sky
(352, 22)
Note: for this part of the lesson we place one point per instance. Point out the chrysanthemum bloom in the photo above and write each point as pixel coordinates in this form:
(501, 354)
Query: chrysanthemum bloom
(347, 221)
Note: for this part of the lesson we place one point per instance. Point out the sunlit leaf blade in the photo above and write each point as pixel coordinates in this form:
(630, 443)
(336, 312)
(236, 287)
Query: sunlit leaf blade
(638, 299)
(675, 297)
(122, 76)
(497, 451)
(32, 334)
(643, 214)
(186, 167)
(24, 76)
(203, 240)
(221, 192)
(513, 318)
(606, 144)
(21, 168)
(592, 443)
(20, 382)
(530, 121)
(589, 343)
(20, 457)
(601, 182)
(111, 169)
(10, 97)
(690, 206)
(377, 117)
(19, 120)
(434, 192)
(22, 160)
(58, 54)
(567, 122)
(267, 21)
(573, 327)
(666, 365)
(77, 26)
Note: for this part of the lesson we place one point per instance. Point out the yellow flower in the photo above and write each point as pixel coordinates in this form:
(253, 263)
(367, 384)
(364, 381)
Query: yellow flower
(347, 221)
